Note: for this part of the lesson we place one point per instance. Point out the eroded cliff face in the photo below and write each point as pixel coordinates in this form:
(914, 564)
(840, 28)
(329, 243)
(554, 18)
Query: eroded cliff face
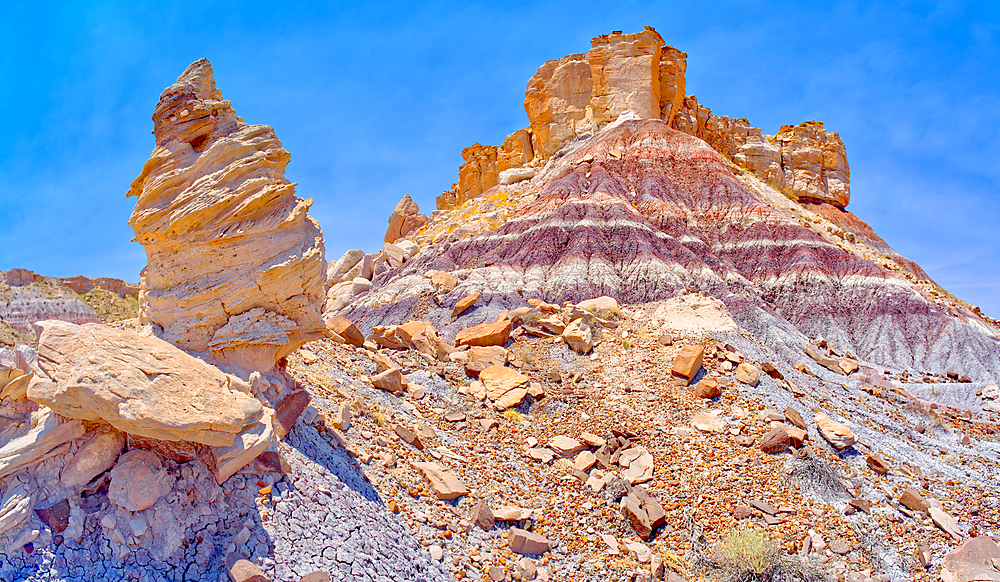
(236, 266)
(635, 75)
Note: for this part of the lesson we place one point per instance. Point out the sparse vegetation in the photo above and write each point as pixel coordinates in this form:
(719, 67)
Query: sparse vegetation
(111, 307)
(816, 477)
(749, 551)
(513, 415)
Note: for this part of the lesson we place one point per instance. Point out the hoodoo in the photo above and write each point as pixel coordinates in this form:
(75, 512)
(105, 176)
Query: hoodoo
(236, 266)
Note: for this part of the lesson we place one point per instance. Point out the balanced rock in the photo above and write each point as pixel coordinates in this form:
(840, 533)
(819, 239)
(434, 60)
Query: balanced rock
(405, 218)
(140, 385)
(236, 266)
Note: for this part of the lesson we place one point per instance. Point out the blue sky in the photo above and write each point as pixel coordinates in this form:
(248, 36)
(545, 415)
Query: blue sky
(377, 100)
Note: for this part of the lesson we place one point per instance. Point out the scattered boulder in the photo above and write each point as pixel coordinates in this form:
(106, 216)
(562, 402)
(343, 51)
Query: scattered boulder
(707, 388)
(836, 433)
(465, 303)
(603, 303)
(708, 421)
(510, 398)
(55, 516)
(445, 484)
(688, 362)
(390, 380)
(526, 543)
(482, 516)
(579, 336)
(499, 380)
(748, 374)
(485, 334)
(771, 371)
(877, 463)
(15, 508)
(566, 446)
(828, 363)
(443, 281)
(241, 570)
(777, 439)
(248, 445)
(335, 272)
(408, 436)
(94, 457)
(795, 418)
(637, 518)
(978, 559)
(346, 329)
(405, 218)
(913, 500)
(45, 437)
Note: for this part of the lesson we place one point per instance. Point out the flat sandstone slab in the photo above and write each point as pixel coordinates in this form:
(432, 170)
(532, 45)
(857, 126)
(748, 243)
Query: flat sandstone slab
(139, 385)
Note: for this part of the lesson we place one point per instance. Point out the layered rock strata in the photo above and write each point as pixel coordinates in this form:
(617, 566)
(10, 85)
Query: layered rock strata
(641, 211)
(635, 74)
(226, 238)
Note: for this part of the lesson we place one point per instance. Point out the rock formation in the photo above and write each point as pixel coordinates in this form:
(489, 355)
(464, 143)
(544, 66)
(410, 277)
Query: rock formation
(139, 385)
(640, 210)
(635, 74)
(405, 218)
(236, 266)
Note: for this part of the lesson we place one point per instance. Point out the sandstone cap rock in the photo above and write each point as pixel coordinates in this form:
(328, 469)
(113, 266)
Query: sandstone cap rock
(140, 385)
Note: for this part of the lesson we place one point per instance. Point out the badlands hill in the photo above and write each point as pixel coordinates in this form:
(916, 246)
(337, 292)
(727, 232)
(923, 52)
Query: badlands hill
(635, 341)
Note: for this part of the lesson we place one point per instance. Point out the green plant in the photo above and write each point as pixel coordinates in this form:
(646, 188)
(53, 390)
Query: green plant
(626, 343)
(750, 551)
(513, 415)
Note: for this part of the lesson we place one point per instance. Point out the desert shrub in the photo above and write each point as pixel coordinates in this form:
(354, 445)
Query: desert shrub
(815, 477)
(749, 551)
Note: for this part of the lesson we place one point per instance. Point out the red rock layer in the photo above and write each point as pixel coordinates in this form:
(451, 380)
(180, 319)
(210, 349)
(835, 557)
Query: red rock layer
(641, 211)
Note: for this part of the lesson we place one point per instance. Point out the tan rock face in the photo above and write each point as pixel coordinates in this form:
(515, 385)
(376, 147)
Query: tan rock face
(235, 264)
(806, 159)
(140, 385)
(573, 96)
(625, 74)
